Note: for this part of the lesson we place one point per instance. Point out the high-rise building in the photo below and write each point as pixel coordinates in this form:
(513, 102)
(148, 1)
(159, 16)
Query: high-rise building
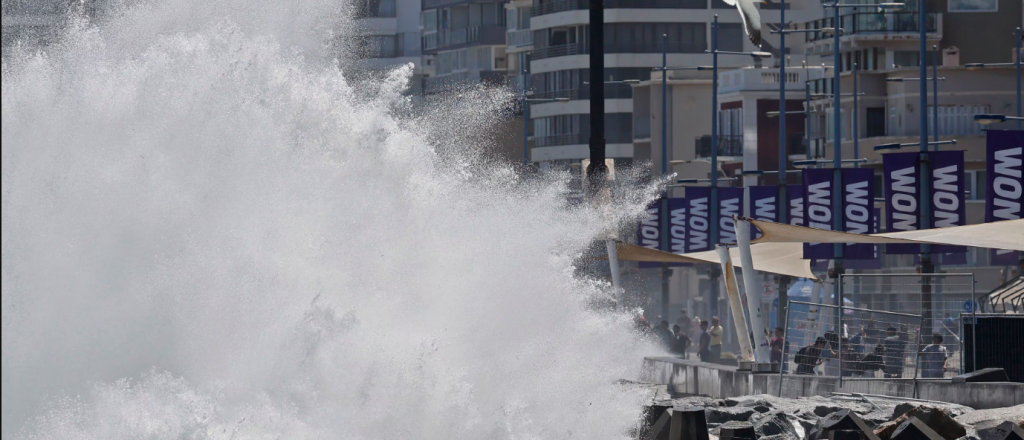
(390, 35)
(463, 43)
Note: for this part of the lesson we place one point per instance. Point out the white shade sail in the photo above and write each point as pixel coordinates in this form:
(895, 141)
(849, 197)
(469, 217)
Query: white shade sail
(1006, 235)
(777, 258)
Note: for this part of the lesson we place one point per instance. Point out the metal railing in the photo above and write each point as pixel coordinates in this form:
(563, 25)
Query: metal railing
(728, 145)
(573, 5)
(519, 38)
(443, 38)
(878, 23)
(570, 94)
(561, 50)
(612, 137)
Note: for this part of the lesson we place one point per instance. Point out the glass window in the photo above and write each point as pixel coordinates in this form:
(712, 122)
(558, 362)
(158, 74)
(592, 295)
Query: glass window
(973, 5)
(730, 37)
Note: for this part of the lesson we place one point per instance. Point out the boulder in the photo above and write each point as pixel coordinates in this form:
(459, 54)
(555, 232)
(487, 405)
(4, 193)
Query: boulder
(1013, 414)
(728, 414)
(777, 424)
(990, 430)
(842, 420)
(941, 420)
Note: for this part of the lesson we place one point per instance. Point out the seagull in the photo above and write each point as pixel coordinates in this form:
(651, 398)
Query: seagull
(751, 18)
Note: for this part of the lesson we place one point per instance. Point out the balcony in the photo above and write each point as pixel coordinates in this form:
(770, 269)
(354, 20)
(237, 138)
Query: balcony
(612, 137)
(446, 39)
(575, 5)
(518, 39)
(869, 23)
(728, 146)
(454, 80)
(562, 50)
(750, 79)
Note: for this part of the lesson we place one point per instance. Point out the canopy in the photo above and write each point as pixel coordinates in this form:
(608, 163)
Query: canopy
(777, 258)
(1005, 296)
(1007, 235)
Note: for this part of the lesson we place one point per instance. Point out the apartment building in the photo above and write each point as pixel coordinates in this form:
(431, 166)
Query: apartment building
(463, 43)
(558, 66)
(390, 36)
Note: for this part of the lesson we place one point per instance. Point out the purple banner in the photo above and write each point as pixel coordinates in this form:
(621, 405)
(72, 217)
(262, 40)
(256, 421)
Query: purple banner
(730, 202)
(858, 210)
(1004, 193)
(818, 209)
(699, 217)
(678, 223)
(648, 233)
(948, 207)
(762, 205)
(901, 174)
(875, 262)
(795, 193)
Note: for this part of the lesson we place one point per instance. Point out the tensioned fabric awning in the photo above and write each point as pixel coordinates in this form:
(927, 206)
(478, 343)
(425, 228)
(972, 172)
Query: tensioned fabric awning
(1007, 235)
(777, 258)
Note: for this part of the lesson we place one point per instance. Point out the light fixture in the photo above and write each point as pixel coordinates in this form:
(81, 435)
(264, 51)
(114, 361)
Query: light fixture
(989, 119)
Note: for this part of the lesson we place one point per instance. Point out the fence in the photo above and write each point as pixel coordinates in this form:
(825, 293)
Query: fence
(940, 299)
(817, 356)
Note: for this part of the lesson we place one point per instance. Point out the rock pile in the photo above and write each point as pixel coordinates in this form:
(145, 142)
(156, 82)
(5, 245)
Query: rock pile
(825, 418)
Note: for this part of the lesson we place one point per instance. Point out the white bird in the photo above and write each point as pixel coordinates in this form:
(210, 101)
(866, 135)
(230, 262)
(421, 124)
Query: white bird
(751, 18)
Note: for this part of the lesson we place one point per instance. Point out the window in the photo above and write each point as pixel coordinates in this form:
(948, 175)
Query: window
(876, 121)
(646, 37)
(973, 5)
(730, 122)
(730, 37)
(976, 183)
(957, 120)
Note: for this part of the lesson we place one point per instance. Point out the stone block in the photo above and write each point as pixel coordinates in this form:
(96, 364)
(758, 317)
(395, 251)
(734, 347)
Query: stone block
(915, 429)
(983, 375)
(737, 431)
(1003, 431)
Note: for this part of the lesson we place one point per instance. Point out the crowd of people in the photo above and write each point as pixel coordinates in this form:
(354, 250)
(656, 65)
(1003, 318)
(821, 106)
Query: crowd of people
(678, 339)
(868, 353)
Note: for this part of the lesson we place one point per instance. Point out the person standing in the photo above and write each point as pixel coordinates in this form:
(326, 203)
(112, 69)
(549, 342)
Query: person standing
(810, 356)
(716, 339)
(704, 346)
(682, 341)
(779, 347)
(893, 354)
(933, 358)
(665, 335)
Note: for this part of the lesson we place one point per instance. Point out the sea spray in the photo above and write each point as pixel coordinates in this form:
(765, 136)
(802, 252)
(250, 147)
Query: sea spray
(208, 232)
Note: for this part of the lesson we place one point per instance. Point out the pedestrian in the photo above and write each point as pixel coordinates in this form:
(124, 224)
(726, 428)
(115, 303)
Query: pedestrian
(874, 361)
(894, 347)
(933, 358)
(779, 347)
(665, 336)
(849, 358)
(683, 321)
(682, 341)
(830, 357)
(810, 356)
(858, 340)
(704, 345)
(716, 340)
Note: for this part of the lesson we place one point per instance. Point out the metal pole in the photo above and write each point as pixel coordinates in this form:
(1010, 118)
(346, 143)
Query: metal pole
(1017, 62)
(783, 154)
(925, 176)
(785, 344)
(526, 126)
(664, 172)
(839, 288)
(713, 300)
(597, 170)
(837, 152)
(856, 126)
(974, 316)
(935, 95)
(807, 115)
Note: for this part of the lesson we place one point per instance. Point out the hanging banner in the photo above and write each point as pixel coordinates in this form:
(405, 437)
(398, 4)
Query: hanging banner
(818, 209)
(795, 193)
(648, 233)
(858, 210)
(729, 202)
(948, 206)
(901, 174)
(1004, 193)
(875, 262)
(678, 223)
(762, 205)
(699, 217)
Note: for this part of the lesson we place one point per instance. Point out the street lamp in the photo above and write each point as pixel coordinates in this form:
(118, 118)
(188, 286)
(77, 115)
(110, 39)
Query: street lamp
(1016, 63)
(812, 162)
(526, 123)
(995, 119)
(898, 145)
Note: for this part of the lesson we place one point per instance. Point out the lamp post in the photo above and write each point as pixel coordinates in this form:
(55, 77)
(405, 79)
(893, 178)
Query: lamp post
(837, 199)
(935, 94)
(713, 300)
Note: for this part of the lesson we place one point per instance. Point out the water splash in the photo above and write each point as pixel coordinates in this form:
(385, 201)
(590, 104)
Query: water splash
(209, 233)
